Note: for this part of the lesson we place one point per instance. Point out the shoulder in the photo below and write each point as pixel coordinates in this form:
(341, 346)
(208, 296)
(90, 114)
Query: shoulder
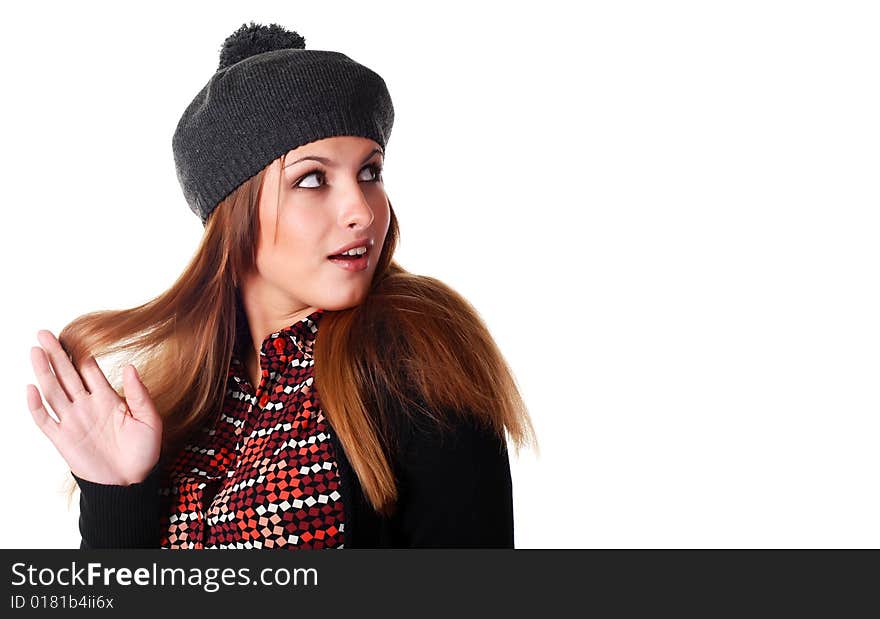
(422, 427)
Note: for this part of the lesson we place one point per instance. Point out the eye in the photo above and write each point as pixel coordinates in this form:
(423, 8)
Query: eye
(374, 168)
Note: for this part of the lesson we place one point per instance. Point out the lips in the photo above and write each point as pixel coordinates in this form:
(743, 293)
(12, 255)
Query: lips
(365, 242)
(339, 256)
(351, 264)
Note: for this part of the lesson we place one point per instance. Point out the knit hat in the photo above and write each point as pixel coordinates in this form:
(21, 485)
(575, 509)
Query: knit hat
(269, 96)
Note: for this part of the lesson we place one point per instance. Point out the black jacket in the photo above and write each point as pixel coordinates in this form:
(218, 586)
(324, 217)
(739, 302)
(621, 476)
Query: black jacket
(454, 489)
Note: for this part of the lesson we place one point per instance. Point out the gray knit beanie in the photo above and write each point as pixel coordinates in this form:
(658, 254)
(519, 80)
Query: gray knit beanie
(269, 96)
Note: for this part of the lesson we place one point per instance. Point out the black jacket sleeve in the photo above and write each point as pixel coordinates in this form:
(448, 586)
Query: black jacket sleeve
(455, 487)
(112, 516)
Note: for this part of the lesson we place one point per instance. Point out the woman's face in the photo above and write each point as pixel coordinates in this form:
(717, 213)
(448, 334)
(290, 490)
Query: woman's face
(323, 206)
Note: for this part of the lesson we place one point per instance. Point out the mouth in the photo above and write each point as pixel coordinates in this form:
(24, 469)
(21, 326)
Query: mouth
(351, 262)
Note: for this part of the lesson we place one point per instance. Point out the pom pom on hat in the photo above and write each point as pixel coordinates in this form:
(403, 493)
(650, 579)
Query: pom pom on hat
(252, 39)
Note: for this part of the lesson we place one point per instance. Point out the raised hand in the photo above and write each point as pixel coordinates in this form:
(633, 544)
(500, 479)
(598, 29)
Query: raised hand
(104, 438)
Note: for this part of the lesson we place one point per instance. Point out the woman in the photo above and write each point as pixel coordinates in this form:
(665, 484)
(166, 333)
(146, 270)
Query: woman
(240, 427)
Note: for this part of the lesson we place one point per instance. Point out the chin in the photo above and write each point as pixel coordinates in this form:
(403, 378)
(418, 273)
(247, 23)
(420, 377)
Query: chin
(338, 303)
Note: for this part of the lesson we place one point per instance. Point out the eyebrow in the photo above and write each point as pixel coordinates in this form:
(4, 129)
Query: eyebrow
(327, 162)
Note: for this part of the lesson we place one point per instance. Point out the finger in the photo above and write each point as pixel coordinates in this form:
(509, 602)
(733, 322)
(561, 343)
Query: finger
(49, 385)
(138, 398)
(63, 366)
(40, 415)
(94, 377)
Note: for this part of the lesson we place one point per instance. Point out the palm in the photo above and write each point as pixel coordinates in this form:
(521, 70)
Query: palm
(116, 443)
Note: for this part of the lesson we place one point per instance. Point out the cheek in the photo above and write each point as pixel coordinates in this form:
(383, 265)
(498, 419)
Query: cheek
(385, 215)
(291, 268)
(297, 244)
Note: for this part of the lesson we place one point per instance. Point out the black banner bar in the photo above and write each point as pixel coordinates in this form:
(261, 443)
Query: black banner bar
(435, 580)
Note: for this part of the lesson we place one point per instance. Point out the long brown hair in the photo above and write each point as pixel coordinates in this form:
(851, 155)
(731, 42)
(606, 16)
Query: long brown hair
(413, 339)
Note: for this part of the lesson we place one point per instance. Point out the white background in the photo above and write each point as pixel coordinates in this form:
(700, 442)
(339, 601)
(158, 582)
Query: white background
(667, 214)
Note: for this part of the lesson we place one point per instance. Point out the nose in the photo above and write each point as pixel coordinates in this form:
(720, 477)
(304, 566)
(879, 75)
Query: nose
(356, 211)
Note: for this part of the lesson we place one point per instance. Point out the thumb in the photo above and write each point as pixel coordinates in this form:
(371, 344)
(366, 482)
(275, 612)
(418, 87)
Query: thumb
(136, 394)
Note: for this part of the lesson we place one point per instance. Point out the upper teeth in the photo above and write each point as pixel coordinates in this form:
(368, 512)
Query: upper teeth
(357, 251)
